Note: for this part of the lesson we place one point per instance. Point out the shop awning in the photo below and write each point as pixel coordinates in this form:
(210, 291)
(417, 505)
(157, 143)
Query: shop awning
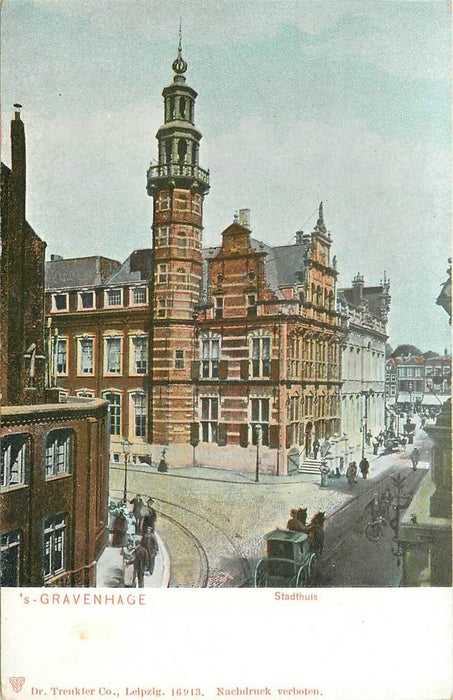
(431, 400)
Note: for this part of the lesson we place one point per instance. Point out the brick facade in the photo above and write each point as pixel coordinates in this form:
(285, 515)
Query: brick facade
(53, 491)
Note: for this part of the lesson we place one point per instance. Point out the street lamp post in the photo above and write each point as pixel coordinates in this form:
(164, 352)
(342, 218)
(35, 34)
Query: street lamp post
(259, 441)
(126, 445)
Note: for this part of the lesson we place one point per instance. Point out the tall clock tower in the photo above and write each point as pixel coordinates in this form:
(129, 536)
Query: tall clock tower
(178, 186)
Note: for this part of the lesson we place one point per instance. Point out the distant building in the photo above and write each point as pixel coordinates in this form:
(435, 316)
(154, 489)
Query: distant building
(364, 318)
(420, 383)
(53, 491)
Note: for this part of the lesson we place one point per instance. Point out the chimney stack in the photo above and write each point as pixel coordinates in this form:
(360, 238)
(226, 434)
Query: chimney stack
(244, 218)
(18, 161)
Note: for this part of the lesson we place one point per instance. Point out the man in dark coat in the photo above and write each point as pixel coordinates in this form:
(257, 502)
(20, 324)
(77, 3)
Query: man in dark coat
(137, 502)
(151, 545)
(364, 467)
(415, 456)
(141, 561)
(316, 446)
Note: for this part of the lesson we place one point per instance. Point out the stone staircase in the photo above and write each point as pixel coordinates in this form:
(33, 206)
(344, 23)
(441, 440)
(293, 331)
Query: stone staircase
(310, 466)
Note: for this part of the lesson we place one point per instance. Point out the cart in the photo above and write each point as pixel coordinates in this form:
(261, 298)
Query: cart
(289, 561)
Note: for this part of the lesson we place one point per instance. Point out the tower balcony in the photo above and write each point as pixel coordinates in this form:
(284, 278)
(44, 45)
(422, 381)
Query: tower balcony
(181, 174)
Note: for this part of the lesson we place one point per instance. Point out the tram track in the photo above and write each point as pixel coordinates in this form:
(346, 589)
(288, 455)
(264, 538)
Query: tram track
(208, 574)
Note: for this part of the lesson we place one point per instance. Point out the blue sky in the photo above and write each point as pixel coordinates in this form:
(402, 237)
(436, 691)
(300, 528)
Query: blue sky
(299, 101)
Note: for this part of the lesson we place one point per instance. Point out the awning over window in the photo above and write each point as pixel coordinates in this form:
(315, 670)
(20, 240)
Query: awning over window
(431, 400)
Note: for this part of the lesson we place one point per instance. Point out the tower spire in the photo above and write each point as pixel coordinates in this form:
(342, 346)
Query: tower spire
(179, 65)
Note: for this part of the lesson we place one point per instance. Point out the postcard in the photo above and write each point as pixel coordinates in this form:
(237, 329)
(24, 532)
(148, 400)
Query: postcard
(225, 420)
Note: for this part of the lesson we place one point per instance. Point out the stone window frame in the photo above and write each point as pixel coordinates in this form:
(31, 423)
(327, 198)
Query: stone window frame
(179, 358)
(133, 336)
(55, 309)
(56, 354)
(80, 306)
(108, 336)
(114, 290)
(138, 288)
(209, 364)
(115, 415)
(79, 341)
(209, 418)
(163, 273)
(59, 452)
(256, 339)
(18, 463)
(132, 394)
(262, 401)
(55, 545)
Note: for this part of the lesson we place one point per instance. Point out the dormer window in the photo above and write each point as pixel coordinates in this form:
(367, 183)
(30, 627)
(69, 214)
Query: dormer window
(139, 296)
(85, 300)
(60, 302)
(114, 297)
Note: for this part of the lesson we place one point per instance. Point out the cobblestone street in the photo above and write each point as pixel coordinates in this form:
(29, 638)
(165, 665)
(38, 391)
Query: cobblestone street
(212, 521)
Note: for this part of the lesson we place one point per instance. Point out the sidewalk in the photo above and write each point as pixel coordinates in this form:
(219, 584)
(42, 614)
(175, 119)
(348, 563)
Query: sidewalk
(110, 572)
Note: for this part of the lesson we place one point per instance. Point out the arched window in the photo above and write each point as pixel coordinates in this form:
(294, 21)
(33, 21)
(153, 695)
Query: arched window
(182, 107)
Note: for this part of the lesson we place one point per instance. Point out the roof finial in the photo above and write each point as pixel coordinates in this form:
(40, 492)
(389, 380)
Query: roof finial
(179, 66)
(321, 213)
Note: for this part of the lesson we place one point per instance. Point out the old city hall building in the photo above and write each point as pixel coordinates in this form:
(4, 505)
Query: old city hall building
(195, 347)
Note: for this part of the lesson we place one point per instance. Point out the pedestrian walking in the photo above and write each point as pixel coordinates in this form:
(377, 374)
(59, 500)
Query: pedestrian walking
(386, 502)
(140, 565)
(415, 457)
(364, 467)
(128, 553)
(150, 517)
(351, 473)
(138, 504)
(316, 446)
(151, 545)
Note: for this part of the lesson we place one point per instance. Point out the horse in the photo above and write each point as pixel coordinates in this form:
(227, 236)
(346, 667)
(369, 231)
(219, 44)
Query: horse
(301, 514)
(315, 532)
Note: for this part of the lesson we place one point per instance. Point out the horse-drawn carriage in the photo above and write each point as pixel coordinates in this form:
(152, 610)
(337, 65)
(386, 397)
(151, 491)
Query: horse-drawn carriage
(289, 562)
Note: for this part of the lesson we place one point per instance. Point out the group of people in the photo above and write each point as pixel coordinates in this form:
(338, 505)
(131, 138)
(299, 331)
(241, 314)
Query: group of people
(140, 553)
(352, 470)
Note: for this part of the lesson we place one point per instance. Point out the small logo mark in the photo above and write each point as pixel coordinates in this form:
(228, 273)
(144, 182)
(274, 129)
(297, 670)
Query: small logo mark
(17, 683)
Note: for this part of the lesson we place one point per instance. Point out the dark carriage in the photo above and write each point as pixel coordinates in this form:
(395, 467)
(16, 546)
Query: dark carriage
(289, 561)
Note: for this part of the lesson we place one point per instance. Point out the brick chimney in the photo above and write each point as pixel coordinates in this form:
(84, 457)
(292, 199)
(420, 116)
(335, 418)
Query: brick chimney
(357, 289)
(18, 161)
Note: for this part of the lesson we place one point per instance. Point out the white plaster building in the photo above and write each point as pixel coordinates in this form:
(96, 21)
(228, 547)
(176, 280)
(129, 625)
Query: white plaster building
(364, 314)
